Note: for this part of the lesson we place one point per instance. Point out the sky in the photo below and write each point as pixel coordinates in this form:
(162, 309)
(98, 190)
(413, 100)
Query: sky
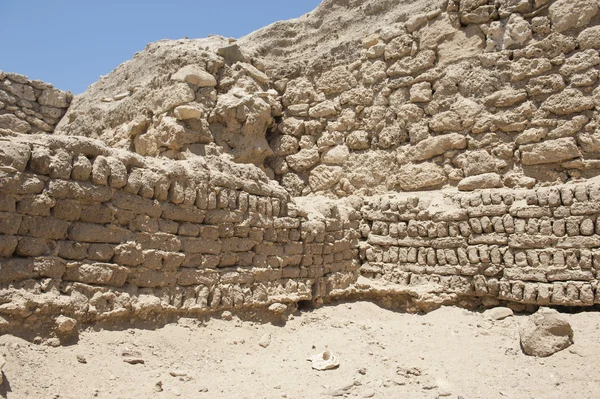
(71, 43)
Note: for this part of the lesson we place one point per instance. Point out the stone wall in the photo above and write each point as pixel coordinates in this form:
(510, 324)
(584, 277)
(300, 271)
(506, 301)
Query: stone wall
(98, 234)
(28, 106)
(198, 178)
(481, 94)
(539, 247)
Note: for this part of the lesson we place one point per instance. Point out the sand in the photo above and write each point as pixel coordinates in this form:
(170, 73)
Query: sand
(450, 353)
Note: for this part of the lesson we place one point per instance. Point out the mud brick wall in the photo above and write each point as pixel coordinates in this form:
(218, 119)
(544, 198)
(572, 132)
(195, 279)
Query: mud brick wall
(28, 106)
(537, 247)
(97, 234)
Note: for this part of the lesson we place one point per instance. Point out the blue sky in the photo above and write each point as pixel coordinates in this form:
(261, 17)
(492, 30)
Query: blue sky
(70, 43)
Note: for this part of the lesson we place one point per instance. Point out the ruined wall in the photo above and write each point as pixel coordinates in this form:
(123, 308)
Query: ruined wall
(484, 94)
(536, 247)
(98, 235)
(205, 175)
(28, 106)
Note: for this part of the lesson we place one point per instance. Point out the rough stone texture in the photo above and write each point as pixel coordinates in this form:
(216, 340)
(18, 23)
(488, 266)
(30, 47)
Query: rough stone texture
(30, 106)
(217, 175)
(545, 333)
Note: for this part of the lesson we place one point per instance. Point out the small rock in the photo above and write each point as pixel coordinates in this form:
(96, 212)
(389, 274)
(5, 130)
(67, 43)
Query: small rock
(53, 342)
(498, 313)
(203, 390)
(226, 315)
(362, 371)
(324, 361)
(132, 357)
(545, 333)
(368, 393)
(195, 75)
(65, 325)
(265, 340)
(278, 308)
(81, 359)
(178, 373)
(158, 387)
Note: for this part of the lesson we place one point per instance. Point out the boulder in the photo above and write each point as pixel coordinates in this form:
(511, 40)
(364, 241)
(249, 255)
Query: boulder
(572, 14)
(545, 333)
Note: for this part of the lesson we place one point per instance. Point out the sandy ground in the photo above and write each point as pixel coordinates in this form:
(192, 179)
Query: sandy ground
(450, 353)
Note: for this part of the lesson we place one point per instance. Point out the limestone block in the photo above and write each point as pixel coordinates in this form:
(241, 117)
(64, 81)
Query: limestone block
(411, 65)
(421, 176)
(580, 62)
(482, 181)
(87, 232)
(572, 14)
(8, 245)
(323, 109)
(589, 38)
(323, 177)
(11, 122)
(52, 97)
(335, 81)
(421, 92)
(399, 47)
(15, 155)
(517, 32)
(336, 155)
(187, 277)
(438, 145)
(195, 75)
(550, 151)
(100, 252)
(96, 273)
(303, 160)
(82, 168)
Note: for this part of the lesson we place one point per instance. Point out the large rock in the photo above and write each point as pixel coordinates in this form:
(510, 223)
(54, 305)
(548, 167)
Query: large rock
(572, 14)
(550, 151)
(545, 333)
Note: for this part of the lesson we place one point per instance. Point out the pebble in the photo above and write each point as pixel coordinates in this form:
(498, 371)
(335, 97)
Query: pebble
(158, 387)
(368, 393)
(81, 359)
(265, 340)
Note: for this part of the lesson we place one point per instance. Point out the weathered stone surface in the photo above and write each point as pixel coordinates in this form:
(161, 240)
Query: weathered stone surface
(438, 145)
(322, 177)
(11, 122)
(572, 14)
(421, 176)
(486, 180)
(545, 333)
(195, 75)
(550, 151)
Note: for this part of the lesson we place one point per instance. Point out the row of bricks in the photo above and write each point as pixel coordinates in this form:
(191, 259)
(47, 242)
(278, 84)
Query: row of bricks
(501, 256)
(570, 226)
